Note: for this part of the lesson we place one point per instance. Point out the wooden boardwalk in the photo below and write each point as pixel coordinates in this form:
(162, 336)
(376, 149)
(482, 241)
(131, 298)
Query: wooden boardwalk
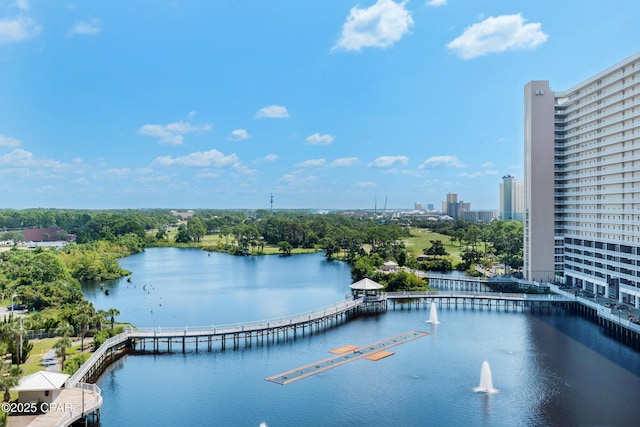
(345, 355)
(66, 409)
(490, 300)
(233, 335)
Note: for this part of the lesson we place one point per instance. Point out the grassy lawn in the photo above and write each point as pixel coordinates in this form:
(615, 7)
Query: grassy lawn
(421, 238)
(40, 348)
(212, 240)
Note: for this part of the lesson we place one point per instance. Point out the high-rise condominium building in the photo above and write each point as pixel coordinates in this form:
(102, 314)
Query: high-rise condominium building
(511, 198)
(582, 182)
(453, 207)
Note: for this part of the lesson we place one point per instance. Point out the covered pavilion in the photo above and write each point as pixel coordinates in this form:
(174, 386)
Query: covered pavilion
(366, 288)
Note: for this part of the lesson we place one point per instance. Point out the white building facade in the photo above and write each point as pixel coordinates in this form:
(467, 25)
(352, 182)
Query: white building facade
(582, 182)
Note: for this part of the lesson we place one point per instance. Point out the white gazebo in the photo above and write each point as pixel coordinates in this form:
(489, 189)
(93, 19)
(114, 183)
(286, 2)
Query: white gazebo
(42, 386)
(365, 288)
(390, 266)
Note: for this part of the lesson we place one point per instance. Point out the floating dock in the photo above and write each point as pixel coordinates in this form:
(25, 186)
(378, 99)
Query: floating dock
(346, 354)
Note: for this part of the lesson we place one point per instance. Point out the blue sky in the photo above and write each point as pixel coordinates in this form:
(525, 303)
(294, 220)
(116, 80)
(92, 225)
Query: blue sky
(326, 104)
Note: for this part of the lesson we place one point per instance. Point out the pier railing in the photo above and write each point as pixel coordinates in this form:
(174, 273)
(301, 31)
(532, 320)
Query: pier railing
(88, 403)
(487, 295)
(86, 366)
(230, 328)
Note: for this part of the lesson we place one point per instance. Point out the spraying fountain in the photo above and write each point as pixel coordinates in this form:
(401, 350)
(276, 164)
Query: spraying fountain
(433, 316)
(486, 382)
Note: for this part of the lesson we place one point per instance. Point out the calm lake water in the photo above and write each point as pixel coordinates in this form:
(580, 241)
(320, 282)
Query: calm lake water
(552, 369)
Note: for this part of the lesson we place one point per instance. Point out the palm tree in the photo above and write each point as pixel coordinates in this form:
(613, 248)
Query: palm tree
(9, 378)
(61, 345)
(98, 319)
(113, 312)
(35, 321)
(16, 330)
(83, 321)
(64, 329)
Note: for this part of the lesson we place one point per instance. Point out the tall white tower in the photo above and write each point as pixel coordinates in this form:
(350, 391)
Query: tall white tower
(539, 220)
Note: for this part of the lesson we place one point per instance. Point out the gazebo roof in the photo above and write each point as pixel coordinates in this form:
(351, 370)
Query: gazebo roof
(390, 263)
(42, 380)
(366, 285)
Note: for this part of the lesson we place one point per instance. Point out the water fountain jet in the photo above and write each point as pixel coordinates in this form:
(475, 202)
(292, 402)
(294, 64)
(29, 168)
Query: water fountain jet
(433, 315)
(486, 382)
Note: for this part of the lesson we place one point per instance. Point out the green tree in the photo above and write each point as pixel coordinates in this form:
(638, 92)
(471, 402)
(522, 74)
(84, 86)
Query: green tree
(436, 249)
(61, 345)
(403, 281)
(331, 248)
(365, 267)
(285, 247)
(113, 313)
(83, 320)
(196, 228)
(9, 378)
(183, 235)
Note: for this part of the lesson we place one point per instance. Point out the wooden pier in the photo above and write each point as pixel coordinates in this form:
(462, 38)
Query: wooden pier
(477, 300)
(233, 336)
(81, 401)
(265, 332)
(346, 354)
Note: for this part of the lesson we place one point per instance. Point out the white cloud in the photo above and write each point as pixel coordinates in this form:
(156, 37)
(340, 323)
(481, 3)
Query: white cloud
(380, 25)
(365, 184)
(497, 34)
(173, 132)
(345, 161)
(436, 3)
(436, 161)
(317, 139)
(487, 165)
(200, 159)
(22, 159)
(18, 29)
(238, 135)
(212, 158)
(270, 158)
(90, 28)
(387, 161)
(312, 163)
(118, 173)
(273, 112)
(9, 141)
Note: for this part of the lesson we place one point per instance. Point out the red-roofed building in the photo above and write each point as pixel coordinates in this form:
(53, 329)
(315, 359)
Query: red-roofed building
(45, 234)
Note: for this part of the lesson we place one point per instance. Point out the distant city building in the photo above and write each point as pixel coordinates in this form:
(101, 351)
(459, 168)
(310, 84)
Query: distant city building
(511, 198)
(454, 208)
(419, 206)
(479, 216)
(582, 182)
(431, 207)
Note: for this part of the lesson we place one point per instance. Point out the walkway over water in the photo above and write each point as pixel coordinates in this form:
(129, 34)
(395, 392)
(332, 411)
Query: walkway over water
(220, 337)
(70, 406)
(478, 299)
(217, 337)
